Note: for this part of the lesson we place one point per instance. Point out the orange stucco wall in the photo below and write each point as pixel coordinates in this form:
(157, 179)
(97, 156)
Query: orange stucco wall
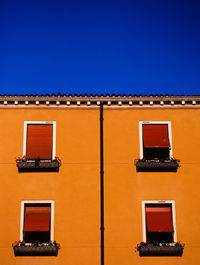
(125, 189)
(76, 188)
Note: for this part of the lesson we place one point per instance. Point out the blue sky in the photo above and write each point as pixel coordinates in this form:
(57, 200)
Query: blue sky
(89, 46)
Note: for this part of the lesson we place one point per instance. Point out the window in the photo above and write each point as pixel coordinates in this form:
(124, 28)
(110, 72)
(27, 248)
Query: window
(159, 222)
(159, 230)
(37, 221)
(156, 148)
(155, 140)
(36, 230)
(39, 140)
(39, 148)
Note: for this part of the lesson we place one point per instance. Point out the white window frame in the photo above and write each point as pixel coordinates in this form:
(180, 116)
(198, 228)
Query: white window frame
(26, 123)
(154, 122)
(22, 217)
(157, 203)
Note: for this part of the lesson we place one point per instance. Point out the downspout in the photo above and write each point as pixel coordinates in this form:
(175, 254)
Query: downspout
(101, 184)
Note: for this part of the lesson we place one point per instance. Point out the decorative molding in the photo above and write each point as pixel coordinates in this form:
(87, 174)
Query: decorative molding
(111, 101)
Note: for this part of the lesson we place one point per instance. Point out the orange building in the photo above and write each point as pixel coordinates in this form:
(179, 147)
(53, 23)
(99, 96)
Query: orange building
(99, 180)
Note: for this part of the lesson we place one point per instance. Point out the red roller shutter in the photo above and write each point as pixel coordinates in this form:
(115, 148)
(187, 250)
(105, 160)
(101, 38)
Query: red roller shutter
(39, 141)
(155, 135)
(37, 219)
(159, 219)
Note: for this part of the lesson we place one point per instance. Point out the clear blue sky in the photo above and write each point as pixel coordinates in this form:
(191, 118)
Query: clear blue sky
(89, 46)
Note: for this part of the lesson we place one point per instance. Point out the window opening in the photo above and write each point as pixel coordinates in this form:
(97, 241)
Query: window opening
(159, 223)
(37, 222)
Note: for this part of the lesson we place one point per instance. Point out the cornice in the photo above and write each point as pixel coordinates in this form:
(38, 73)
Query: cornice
(95, 100)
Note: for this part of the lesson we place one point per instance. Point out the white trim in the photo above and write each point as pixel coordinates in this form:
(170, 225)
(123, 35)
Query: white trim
(40, 122)
(54, 141)
(144, 222)
(21, 221)
(154, 122)
(141, 139)
(144, 217)
(22, 217)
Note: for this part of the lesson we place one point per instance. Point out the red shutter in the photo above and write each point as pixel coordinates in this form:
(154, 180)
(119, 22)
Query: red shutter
(39, 141)
(159, 219)
(155, 135)
(37, 219)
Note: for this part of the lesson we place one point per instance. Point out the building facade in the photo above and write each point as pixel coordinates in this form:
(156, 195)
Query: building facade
(112, 179)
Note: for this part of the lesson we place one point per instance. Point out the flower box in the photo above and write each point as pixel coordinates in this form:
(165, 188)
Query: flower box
(38, 166)
(157, 166)
(161, 249)
(50, 249)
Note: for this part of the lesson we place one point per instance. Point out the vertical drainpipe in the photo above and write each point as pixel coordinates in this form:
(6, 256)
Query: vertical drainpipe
(101, 184)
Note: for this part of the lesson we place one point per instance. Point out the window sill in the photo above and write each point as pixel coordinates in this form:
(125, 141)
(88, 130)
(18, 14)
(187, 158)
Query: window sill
(161, 250)
(157, 166)
(36, 250)
(42, 166)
